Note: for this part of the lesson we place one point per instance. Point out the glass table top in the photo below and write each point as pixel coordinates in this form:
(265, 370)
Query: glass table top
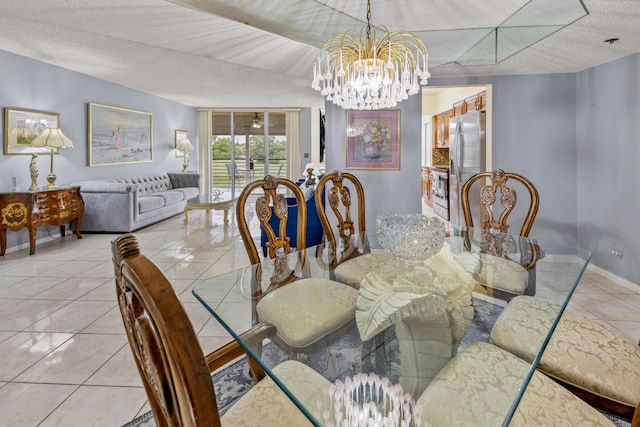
(217, 197)
(467, 283)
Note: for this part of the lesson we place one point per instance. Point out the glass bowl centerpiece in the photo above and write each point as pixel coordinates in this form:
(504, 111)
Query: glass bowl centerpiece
(411, 238)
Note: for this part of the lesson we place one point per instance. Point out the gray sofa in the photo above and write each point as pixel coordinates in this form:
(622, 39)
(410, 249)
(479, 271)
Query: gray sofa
(129, 203)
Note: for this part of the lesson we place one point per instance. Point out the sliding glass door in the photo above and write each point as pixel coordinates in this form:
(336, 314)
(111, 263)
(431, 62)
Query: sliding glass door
(246, 146)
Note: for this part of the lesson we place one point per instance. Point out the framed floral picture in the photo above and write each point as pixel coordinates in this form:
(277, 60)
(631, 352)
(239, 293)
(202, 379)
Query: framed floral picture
(373, 139)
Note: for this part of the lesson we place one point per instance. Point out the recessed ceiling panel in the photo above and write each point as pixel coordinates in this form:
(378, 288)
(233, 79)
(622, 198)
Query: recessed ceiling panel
(447, 46)
(546, 12)
(511, 40)
(434, 15)
(482, 53)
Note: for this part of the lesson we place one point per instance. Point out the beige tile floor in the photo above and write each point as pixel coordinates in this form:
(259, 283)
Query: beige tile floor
(64, 355)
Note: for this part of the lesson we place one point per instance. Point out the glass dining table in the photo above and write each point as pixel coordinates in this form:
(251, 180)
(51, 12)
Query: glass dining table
(411, 318)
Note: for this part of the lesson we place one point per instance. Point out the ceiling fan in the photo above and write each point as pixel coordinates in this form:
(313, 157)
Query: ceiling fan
(256, 122)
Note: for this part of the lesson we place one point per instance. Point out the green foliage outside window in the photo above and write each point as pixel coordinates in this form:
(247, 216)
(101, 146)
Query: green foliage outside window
(221, 148)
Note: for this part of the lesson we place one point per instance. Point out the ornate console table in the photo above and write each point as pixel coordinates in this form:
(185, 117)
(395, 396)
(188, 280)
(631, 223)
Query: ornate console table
(32, 209)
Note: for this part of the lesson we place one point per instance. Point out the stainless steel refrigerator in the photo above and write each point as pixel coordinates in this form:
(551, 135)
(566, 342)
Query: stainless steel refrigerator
(466, 157)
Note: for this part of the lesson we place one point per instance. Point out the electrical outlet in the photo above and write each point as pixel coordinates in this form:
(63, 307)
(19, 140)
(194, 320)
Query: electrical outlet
(614, 252)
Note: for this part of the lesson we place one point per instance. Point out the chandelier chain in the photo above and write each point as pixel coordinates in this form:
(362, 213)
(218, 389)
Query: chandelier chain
(368, 19)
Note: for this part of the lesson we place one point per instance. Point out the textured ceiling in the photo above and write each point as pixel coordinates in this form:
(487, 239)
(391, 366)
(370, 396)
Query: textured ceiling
(258, 53)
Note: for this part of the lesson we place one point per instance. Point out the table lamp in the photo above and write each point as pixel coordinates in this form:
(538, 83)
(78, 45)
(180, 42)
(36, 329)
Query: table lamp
(52, 138)
(185, 145)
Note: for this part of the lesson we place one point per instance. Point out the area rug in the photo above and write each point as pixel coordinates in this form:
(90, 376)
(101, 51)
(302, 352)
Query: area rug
(343, 358)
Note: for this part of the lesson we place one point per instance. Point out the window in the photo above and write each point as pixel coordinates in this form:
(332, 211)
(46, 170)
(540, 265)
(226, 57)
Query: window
(246, 146)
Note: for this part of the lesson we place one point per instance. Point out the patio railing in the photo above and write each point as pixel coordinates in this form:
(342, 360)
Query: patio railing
(220, 177)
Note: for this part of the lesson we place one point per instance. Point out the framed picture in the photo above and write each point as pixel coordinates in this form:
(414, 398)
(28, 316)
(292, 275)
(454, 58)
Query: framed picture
(119, 135)
(21, 127)
(373, 139)
(180, 135)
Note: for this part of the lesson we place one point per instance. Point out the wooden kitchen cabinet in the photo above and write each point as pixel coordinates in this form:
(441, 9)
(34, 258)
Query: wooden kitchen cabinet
(481, 101)
(32, 209)
(476, 102)
(442, 129)
(427, 184)
(459, 108)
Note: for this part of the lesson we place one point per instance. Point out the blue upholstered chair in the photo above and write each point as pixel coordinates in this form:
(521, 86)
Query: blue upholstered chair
(314, 227)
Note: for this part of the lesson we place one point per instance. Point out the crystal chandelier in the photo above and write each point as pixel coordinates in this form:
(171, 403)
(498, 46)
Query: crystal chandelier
(372, 70)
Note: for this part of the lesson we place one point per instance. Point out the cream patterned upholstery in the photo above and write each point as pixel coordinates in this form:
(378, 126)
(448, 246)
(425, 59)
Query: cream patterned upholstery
(267, 405)
(492, 271)
(478, 386)
(353, 271)
(327, 305)
(503, 274)
(581, 352)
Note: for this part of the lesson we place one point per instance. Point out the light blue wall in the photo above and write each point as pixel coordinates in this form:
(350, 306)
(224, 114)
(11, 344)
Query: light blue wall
(534, 133)
(386, 191)
(34, 85)
(608, 144)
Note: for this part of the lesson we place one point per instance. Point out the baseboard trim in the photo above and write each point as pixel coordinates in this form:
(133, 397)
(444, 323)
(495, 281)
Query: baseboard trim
(614, 278)
(44, 239)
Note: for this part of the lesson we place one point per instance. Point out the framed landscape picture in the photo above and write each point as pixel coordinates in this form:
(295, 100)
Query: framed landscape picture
(119, 135)
(21, 127)
(373, 139)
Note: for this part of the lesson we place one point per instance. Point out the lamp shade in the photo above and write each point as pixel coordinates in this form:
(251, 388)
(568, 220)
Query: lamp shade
(185, 145)
(52, 138)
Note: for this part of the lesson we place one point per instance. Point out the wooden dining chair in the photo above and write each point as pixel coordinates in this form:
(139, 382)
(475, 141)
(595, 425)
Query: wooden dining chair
(478, 387)
(304, 310)
(598, 364)
(498, 247)
(175, 372)
(345, 198)
(508, 198)
(343, 219)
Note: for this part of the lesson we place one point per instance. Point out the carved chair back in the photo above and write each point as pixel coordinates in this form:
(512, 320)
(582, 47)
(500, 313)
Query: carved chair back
(269, 202)
(348, 213)
(272, 201)
(504, 245)
(494, 220)
(170, 361)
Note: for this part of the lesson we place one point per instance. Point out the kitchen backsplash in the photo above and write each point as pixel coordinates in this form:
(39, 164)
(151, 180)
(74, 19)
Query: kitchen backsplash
(440, 157)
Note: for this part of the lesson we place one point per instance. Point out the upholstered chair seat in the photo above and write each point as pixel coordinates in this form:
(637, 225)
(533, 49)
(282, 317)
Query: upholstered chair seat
(494, 272)
(266, 404)
(582, 354)
(478, 386)
(327, 305)
(356, 269)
